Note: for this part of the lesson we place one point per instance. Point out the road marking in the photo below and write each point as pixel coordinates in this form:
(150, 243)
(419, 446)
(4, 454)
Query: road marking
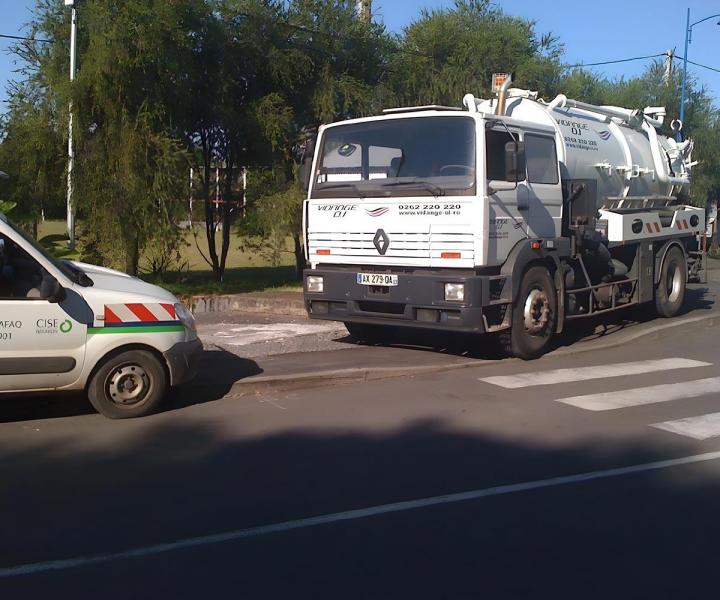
(702, 427)
(350, 515)
(645, 395)
(522, 380)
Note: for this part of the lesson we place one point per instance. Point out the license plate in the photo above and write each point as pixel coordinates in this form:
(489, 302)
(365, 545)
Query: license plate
(377, 279)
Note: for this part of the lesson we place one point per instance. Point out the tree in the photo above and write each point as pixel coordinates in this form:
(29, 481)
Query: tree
(447, 53)
(31, 154)
(324, 65)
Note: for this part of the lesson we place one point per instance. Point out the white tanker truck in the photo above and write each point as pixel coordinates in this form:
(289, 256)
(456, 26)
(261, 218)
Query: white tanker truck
(510, 216)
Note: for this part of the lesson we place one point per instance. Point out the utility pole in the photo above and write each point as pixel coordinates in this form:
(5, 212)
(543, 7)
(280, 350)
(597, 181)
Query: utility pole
(688, 41)
(670, 54)
(364, 10)
(71, 152)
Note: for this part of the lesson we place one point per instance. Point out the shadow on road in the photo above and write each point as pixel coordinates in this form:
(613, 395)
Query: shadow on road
(147, 482)
(219, 370)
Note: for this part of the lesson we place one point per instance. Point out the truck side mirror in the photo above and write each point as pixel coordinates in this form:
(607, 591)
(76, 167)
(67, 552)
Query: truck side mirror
(306, 163)
(51, 290)
(515, 161)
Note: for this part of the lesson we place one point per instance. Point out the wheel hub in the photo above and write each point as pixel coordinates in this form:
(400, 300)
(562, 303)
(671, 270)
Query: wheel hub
(674, 282)
(536, 312)
(128, 384)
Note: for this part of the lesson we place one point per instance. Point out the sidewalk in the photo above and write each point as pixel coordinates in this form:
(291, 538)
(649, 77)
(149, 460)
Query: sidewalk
(241, 372)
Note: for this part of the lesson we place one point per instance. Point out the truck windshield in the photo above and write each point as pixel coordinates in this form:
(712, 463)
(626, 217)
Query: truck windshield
(418, 156)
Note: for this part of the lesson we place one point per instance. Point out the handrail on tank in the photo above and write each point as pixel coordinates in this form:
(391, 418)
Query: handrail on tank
(655, 115)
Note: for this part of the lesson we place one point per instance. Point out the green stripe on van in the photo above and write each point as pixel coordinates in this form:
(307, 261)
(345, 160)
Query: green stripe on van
(143, 329)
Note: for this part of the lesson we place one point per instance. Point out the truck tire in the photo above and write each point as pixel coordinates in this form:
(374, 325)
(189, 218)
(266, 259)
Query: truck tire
(670, 290)
(129, 384)
(534, 314)
(372, 334)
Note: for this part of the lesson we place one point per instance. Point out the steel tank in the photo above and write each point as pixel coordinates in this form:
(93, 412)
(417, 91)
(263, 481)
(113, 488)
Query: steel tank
(619, 148)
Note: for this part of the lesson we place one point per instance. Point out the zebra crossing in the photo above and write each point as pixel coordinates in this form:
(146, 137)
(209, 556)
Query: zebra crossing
(700, 427)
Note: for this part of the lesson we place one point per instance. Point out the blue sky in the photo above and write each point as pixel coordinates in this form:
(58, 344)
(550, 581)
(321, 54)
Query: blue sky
(591, 31)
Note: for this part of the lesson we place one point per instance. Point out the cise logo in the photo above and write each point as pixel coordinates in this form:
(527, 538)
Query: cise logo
(50, 326)
(377, 212)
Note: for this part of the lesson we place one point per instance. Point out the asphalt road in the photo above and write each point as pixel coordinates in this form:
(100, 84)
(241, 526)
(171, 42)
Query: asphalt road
(589, 475)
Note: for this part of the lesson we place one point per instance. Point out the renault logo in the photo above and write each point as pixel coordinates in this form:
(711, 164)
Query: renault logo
(381, 241)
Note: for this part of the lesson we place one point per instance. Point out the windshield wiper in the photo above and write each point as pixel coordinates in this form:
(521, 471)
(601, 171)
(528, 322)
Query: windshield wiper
(334, 186)
(430, 187)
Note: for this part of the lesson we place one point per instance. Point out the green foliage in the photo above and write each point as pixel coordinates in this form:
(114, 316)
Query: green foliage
(6, 207)
(223, 85)
(31, 155)
(447, 53)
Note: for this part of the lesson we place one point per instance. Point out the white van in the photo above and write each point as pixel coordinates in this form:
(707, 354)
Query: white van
(71, 326)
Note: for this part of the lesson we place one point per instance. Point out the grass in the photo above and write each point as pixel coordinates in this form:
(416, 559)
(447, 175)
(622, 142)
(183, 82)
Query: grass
(246, 271)
(237, 281)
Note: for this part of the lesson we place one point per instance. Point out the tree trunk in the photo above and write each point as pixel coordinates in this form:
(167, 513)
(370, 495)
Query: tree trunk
(210, 227)
(132, 255)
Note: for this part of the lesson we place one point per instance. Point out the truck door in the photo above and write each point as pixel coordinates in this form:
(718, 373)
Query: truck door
(543, 186)
(508, 202)
(41, 345)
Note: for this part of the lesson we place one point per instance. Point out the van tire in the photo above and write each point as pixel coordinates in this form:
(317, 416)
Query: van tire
(129, 384)
(670, 290)
(534, 316)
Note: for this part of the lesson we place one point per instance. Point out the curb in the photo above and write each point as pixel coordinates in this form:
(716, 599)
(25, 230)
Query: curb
(259, 385)
(250, 304)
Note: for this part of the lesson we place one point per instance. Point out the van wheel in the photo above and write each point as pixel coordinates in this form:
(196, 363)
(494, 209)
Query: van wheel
(129, 384)
(372, 334)
(670, 290)
(533, 316)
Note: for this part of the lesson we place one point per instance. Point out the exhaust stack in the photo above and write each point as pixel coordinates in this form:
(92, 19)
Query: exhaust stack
(501, 84)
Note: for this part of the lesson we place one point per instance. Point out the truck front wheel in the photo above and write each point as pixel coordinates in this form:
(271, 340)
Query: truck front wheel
(129, 384)
(534, 314)
(670, 290)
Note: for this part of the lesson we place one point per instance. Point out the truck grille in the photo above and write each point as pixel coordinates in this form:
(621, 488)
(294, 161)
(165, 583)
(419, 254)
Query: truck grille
(402, 245)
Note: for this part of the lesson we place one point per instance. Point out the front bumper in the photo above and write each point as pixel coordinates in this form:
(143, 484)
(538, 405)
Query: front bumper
(417, 301)
(183, 361)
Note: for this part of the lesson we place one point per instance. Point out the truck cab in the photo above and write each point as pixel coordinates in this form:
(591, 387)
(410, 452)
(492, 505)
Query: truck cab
(67, 326)
(489, 220)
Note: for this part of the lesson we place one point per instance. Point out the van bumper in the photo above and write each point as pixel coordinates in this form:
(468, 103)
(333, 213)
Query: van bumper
(183, 361)
(417, 301)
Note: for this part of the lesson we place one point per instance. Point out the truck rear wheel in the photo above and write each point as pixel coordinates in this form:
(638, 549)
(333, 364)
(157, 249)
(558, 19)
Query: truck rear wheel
(129, 384)
(533, 317)
(372, 334)
(670, 290)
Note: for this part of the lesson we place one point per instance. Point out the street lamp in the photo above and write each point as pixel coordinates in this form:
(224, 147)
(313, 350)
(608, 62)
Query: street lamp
(688, 41)
(71, 153)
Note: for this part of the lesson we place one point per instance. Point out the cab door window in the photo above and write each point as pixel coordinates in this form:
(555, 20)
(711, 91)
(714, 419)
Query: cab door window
(21, 276)
(541, 159)
(495, 144)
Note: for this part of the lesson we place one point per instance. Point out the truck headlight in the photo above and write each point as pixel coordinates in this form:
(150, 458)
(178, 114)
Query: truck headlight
(455, 292)
(315, 283)
(185, 316)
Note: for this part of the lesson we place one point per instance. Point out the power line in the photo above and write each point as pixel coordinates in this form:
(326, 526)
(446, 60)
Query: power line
(699, 65)
(612, 62)
(25, 39)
